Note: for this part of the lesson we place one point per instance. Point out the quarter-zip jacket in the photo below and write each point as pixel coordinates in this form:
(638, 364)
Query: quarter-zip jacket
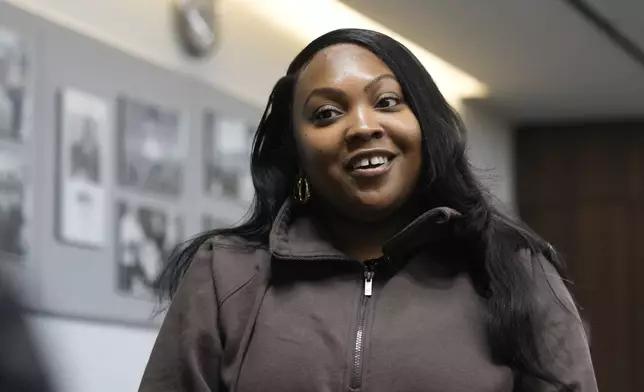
(297, 315)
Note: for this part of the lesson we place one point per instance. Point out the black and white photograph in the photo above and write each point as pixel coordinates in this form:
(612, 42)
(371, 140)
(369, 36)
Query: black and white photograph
(83, 140)
(14, 206)
(14, 84)
(145, 239)
(152, 145)
(227, 145)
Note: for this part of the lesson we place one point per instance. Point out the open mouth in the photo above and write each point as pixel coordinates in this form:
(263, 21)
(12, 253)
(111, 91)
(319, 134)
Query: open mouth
(371, 164)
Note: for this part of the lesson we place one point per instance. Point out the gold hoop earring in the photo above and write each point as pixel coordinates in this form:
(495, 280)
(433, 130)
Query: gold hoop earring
(302, 190)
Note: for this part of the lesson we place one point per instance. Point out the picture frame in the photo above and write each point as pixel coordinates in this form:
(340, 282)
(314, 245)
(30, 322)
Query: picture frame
(146, 236)
(83, 156)
(227, 143)
(152, 144)
(15, 87)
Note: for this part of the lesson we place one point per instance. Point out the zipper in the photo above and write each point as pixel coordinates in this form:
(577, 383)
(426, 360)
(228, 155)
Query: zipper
(355, 382)
(356, 371)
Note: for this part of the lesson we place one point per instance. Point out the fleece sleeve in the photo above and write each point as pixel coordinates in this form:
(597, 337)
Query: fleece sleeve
(563, 340)
(187, 354)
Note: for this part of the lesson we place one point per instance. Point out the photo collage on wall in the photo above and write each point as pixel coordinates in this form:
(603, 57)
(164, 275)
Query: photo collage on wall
(120, 177)
(152, 147)
(150, 151)
(15, 181)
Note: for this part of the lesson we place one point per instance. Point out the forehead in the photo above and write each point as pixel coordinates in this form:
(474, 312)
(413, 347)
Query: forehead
(340, 63)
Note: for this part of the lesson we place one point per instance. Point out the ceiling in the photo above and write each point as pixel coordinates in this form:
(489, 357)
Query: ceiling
(541, 59)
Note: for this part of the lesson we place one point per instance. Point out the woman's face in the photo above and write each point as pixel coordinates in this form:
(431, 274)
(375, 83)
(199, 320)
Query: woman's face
(359, 143)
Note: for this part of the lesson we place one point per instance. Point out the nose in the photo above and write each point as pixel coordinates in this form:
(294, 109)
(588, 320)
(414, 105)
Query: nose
(364, 127)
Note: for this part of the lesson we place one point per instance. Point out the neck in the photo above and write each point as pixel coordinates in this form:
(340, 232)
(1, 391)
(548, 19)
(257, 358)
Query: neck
(358, 239)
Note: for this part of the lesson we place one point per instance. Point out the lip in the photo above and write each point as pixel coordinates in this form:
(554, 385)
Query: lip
(348, 165)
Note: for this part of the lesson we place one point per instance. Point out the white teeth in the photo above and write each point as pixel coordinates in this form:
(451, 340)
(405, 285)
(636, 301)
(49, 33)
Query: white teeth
(373, 161)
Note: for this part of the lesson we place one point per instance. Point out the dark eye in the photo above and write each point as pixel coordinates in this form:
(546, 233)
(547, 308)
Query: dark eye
(387, 102)
(326, 113)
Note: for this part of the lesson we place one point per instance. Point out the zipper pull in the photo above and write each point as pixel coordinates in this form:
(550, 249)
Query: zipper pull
(368, 283)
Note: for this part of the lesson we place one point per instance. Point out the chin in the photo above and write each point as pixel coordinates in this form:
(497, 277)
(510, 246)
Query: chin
(373, 210)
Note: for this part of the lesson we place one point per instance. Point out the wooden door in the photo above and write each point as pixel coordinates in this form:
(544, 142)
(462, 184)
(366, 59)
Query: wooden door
(582, 188)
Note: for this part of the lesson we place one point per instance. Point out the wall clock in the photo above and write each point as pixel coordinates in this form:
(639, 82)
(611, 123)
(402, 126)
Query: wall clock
(196, 26)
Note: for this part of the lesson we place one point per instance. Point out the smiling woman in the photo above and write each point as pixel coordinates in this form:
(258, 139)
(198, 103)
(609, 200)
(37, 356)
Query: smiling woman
(359, 145)
(372, 259)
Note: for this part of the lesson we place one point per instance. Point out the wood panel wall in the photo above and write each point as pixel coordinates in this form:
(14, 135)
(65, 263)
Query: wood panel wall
(582, 188)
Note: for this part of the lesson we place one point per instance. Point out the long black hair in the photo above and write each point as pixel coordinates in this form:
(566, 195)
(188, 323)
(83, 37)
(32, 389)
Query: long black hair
(495, 238)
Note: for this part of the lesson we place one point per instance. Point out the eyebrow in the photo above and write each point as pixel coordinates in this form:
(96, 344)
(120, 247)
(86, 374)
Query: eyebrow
(330, 91)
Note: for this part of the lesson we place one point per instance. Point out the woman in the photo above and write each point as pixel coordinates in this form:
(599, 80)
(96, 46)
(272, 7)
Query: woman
(372, 258)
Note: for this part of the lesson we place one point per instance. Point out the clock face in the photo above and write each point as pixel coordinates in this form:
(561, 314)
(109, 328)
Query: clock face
(195, 22)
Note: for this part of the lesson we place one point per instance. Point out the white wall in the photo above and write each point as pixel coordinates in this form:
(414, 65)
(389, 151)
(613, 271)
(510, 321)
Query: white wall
(90, 357)
(244, 66)
(491, 139)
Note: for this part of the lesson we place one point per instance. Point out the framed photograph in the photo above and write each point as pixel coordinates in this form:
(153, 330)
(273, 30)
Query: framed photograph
(83, 139)
(152, 148)
(14, 82)
(227, 146)
(14, 205)
(145, 239)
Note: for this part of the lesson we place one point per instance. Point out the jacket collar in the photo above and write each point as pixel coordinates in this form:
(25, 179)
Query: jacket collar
(295, 236)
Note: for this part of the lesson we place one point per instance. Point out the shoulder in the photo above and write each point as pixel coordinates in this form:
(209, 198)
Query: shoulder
(234, 262)
(546, 279)
(234, 244)
(562, 337)
(548, 284)
(555, 304)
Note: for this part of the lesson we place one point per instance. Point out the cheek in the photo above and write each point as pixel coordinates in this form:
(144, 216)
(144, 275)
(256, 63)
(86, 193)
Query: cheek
(317, 151)
(416, 145)
(413, 136)
(410, 142)
(414, 130)
(404, 130)
(418, 142)
(408, 137)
